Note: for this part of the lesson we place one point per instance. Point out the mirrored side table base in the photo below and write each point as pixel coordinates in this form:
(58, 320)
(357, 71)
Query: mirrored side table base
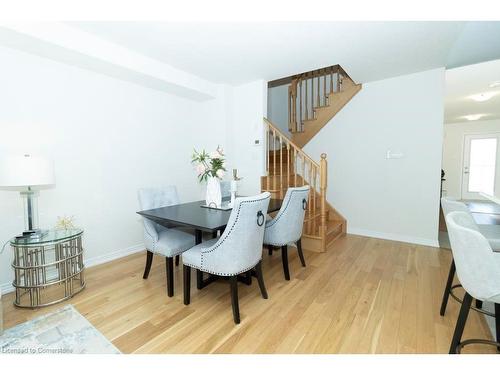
(48, 270)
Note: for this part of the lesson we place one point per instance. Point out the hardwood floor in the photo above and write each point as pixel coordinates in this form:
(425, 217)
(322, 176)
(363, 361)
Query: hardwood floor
(362, 296)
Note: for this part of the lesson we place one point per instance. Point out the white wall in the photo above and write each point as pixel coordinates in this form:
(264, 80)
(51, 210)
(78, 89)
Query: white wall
(107, 138)
(388, 198)
(246, 108)
(62, 42)
(453, 147)
(277, 107)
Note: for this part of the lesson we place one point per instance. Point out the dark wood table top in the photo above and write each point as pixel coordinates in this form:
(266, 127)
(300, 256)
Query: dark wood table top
(193, 215)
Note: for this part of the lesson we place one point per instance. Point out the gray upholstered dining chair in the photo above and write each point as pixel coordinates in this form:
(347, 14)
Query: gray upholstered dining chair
(167, 242)
(478, 270)
(492, 234)
(286, 227)
(236, 252)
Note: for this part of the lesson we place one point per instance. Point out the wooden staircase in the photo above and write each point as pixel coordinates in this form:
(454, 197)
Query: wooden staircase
(288, 166)
(314, 98)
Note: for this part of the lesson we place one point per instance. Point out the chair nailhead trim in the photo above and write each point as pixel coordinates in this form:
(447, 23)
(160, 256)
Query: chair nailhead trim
(221, 274)
(282, 244)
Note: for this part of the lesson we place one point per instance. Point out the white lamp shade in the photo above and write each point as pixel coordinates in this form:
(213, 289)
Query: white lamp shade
(22, 171)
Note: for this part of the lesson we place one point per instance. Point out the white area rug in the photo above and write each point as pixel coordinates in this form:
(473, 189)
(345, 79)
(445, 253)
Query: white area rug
(64, 331)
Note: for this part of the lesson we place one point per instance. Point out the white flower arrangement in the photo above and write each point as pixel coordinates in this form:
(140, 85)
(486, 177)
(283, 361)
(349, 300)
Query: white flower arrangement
(65, 222)
(209, 165)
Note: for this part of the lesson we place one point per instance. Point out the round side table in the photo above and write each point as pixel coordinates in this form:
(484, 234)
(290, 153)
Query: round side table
(48, 270)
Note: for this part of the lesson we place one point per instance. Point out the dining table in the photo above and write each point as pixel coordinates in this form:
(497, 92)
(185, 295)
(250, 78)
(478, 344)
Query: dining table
(490, 197)
(202, 219)
(495, 200)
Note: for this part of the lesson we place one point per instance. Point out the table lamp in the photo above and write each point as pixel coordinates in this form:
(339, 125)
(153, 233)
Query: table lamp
(25, 173)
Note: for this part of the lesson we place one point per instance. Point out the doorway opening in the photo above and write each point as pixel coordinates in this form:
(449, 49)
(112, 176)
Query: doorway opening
(480, 163)
(471, 154)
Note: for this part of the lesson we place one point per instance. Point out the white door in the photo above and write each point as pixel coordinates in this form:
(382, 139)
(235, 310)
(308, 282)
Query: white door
(480, 164)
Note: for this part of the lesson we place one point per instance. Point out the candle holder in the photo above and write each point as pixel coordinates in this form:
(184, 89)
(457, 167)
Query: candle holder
(234, 187)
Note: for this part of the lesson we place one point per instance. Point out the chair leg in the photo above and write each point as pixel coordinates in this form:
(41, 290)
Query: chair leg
(462, 319)
(149, 261)
(260, 279)
(497, 323)
(301, 254)
(248, 277)
(270, 250)
(187, 284)
(234, 299)
(199, 279)
(479, 304)
(447, 288)
(170, 276)
(284, 259)
(177, 259)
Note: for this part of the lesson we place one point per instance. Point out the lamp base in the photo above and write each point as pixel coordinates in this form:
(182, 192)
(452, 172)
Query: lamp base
(33, 234)
(30, 203)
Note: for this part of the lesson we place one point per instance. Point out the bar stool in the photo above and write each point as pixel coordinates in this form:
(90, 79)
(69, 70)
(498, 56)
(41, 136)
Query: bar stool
(478, 270)
(492, 234)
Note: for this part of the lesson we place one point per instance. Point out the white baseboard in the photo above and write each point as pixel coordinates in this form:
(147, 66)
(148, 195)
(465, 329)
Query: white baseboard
(105, 258)
(393, 237)
(6, 288)
(91, 262)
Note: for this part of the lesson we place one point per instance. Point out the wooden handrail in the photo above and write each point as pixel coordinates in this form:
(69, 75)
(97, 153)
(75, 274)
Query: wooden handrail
(289, 141)
(291, 166)
(318, 72)
(344, 74)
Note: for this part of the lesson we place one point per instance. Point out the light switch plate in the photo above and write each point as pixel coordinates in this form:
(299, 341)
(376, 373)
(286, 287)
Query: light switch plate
(394, 155)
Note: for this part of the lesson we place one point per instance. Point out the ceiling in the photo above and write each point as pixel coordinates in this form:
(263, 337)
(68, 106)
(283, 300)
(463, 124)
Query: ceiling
(462, 83)
(235, 53)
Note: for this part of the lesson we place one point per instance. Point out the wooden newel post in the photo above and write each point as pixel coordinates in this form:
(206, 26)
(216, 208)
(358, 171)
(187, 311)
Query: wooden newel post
(323, 165)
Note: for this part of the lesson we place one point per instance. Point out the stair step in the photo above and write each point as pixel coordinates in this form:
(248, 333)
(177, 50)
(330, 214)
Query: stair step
(280, 166)
(285, 156)
(277, 177)
(312, 218)
(334, 230)
(312, 240)
(278, 170)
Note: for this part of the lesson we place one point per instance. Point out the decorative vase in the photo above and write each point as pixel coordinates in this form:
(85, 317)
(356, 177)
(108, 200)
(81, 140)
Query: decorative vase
(213, 197)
